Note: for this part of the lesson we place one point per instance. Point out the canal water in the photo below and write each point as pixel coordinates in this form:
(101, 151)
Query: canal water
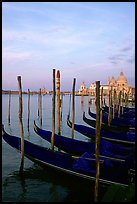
(38, 184)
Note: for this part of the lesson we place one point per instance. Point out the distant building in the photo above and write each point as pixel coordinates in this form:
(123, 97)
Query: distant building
(119, 84)
(44, 91)
(83, 90)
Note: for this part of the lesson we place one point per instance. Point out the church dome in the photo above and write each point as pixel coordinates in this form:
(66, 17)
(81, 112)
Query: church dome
(122, 78)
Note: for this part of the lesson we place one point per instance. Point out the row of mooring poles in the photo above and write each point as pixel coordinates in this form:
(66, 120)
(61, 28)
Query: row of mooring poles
(53, 124)
(116, 105)
(20, 116)
(97, 147)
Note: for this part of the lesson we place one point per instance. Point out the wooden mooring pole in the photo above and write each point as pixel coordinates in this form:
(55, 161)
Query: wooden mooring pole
(40, 106)
(113, 103)
(61, 106)
(69, 105)
(38, 103)
(21, 124)
(58, 99)
(9, 107)
(73, 106)
(53, 110)
(28, 107)
(126, 99)
(119, 104)
(97, 147)
(110, 107)
(101, 107)
(122, 101)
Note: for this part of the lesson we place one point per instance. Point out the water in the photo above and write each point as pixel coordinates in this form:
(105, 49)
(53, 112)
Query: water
(39, 185)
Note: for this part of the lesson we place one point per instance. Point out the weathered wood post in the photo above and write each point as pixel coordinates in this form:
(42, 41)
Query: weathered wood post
(111, 103)
(114, 103)
(21, 124)
(82, 102)
(61, 105)
(104, 101)
(40, 106)
(28, 107)
(126, 99)
(53, 111)
(101, 107)
(82, 98)
(119, 104)
(69, 106)
(123, 101)
(9, 107)
(110, 107)
(89, 98)
(58, 99)
(73, 106)
(97, 147)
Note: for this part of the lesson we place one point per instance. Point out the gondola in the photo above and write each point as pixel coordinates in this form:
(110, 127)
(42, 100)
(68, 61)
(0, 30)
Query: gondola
(82, 167)
(105, 126)
(124, 138)
(125, 109)
(127, 112)
(116, 121)
(78, 147)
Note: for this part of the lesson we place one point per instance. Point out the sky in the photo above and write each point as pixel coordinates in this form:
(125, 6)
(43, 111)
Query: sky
(89, 41)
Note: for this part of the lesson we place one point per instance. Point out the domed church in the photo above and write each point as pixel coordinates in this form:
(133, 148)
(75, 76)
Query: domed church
(119, 84)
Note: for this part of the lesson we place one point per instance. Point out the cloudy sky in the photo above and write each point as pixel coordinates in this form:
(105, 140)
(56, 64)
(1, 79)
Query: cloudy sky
(88, 41)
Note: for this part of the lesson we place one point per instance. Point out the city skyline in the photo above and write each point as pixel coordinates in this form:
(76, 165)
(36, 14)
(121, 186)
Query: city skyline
(88, 41)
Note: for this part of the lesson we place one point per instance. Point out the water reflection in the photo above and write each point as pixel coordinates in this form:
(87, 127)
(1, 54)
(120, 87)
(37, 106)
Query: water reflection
(52, 188)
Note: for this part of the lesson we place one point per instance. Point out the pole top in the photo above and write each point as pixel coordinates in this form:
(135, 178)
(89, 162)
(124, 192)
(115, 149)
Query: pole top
(19, 77)
(58, 74)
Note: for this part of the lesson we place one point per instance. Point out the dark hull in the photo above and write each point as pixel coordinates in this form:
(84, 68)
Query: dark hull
(105, 126)
(82, 167)
(128, 113)
(124, 138)
(116, 121)
(78, 147)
